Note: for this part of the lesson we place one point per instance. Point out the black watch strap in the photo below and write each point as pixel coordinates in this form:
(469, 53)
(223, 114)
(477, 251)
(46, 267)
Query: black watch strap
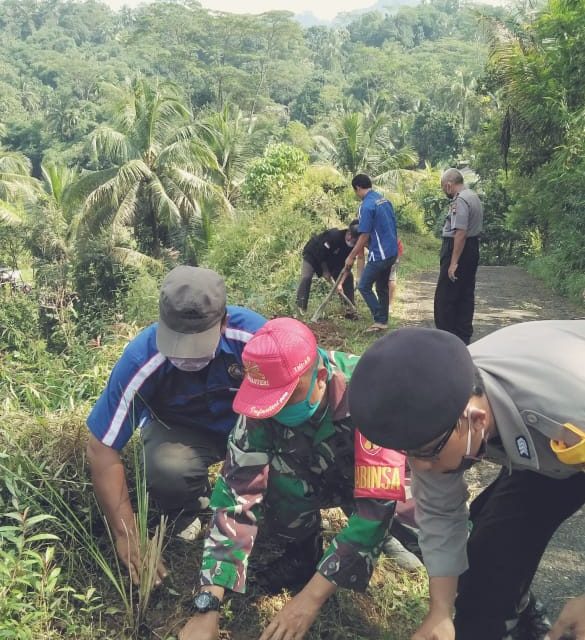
(205, 601)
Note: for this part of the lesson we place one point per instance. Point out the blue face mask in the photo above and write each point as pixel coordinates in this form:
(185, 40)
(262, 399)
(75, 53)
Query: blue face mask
(293, 415)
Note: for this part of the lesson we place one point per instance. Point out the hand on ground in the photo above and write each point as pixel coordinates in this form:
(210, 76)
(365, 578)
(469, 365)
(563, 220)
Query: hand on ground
(128, 550)
(571, 622)
(293, 621)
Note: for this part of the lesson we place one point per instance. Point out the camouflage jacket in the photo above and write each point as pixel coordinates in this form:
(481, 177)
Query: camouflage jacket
(301, 469)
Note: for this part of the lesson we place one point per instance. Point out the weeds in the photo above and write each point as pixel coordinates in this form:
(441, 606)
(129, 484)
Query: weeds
(46, 489)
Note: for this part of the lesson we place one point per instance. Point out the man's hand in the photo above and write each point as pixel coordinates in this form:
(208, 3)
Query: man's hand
(571, 622)
(438, 623)
(109, 483)
(128, 550)
(294, 620)
(451, 271)
(202, 626)
(436, 626)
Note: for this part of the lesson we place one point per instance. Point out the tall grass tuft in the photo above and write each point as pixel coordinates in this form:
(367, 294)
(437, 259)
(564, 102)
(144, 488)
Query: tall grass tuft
(45, 490)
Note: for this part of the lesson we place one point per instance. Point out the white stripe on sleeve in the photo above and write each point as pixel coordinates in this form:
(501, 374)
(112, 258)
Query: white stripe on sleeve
(125, 403)
(238, 334)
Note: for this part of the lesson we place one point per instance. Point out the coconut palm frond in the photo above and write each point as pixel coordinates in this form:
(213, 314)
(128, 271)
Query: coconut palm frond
(115, 145)
(131, 257)
(10, 216)
(126, 211)
(167, 209)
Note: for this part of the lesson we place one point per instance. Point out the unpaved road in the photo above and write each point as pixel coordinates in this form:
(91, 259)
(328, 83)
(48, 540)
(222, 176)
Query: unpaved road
(506, 295)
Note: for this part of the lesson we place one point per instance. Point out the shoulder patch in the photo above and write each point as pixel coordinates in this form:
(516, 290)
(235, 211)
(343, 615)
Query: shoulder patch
(522, 446)
(236, 371)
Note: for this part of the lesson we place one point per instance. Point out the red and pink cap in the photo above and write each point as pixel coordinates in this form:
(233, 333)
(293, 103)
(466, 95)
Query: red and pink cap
(274, 360)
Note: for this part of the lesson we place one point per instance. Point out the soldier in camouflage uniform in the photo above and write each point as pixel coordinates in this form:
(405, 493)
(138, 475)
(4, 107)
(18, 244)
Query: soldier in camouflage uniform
(290, 454)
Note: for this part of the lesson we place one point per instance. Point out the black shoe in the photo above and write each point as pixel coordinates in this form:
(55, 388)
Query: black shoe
(294, 568)
(533, 622)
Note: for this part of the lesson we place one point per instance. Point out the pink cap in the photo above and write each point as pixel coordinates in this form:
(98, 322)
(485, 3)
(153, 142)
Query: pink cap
(274, 360)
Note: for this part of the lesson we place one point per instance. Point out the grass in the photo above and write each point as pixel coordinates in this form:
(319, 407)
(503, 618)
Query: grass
(58, 485)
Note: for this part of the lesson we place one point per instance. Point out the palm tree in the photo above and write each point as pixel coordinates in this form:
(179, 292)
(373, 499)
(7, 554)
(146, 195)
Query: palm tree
(53, 229)
(152, 171)
(532, 98)
(460, 96)
(17, 186)
(361, 141)
(234, 141)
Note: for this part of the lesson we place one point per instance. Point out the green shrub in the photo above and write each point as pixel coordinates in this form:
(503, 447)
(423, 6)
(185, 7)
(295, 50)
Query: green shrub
(140, 305)
(409, 218)
(428, 196)
(19, 321)
(34, 601)
(282, 163)
(101, 284)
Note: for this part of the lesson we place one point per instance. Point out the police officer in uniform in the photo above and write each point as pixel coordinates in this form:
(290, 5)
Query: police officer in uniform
(455, 291)
(515, 397)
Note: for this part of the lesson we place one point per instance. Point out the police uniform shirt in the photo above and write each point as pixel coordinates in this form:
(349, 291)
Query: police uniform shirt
(465, 212)
(532, 371)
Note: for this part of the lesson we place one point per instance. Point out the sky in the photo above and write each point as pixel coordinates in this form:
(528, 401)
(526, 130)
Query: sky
(325, 9)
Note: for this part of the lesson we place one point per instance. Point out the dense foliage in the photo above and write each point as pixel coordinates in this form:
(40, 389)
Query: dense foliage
(126, 137)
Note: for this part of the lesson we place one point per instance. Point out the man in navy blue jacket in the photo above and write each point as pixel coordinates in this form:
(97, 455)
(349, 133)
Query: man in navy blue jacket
(377, 228)
(176, 381)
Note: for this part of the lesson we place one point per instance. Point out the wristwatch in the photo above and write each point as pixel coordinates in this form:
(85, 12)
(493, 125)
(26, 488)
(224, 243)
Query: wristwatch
(205, 601)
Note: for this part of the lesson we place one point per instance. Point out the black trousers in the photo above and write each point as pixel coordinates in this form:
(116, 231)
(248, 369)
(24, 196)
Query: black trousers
(513, 520)
(177, 461)
(304, 288)
(455, 301)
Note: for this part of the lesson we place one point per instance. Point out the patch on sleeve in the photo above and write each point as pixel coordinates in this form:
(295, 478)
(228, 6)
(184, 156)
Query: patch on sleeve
(236, 371)
(522, 446)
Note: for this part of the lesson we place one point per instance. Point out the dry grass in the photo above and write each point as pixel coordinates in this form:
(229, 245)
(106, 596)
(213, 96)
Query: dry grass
(390, 610)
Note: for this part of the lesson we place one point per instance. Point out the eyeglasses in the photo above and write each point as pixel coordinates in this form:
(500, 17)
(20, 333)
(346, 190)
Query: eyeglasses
(433, 453)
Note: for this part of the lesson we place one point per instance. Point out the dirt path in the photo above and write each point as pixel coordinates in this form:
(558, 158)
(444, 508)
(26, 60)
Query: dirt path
(506, 295)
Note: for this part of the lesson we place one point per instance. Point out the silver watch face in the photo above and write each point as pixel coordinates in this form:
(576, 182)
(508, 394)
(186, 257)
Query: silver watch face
(203, 600)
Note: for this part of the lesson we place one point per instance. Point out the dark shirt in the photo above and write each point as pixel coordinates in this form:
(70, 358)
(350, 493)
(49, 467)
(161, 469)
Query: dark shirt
(328, 247)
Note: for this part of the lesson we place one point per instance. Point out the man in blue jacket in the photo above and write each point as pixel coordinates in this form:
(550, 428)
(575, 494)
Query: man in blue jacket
(377, 228)
(176, 381)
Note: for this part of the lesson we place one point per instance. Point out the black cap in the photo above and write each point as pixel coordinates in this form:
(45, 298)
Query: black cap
(410, 387)
(191, 307)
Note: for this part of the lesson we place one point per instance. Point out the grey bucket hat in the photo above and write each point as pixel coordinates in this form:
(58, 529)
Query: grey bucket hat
(192, 306)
